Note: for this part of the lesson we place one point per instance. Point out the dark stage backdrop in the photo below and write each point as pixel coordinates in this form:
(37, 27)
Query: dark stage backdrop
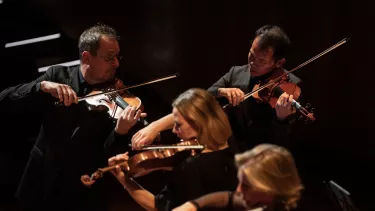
(201, 40)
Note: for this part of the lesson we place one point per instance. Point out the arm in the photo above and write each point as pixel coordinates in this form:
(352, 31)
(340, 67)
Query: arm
(148, 134)
(24, 93)
(37, 91)
(223, 88)
(140, 195)
(224, 199)
(280, 132)
(118, 139)
(223, 82)
(220, 199)
(283, 122)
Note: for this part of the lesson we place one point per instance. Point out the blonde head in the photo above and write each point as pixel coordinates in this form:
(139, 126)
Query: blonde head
(270, 168)
(204, 114)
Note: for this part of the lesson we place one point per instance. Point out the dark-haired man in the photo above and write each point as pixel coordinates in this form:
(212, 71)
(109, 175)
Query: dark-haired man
(252, 122)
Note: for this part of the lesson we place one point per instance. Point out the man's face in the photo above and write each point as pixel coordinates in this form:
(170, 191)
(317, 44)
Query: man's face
(103, 66)
(260, 61)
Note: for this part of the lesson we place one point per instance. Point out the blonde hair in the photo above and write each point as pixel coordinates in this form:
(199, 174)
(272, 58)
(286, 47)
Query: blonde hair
(204, 114)
(272, 169)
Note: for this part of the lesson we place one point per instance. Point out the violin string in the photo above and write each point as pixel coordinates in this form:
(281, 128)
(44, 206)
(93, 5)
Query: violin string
(278, 91)
(172, 147)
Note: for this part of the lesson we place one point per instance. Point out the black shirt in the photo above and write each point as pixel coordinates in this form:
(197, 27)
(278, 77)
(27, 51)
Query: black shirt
(198, 175)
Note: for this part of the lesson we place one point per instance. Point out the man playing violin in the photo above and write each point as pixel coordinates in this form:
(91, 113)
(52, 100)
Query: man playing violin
(252, 122)
(196, 115)
(72, 138)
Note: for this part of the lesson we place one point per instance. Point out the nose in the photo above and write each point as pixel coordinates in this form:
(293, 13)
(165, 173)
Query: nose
(115, 62)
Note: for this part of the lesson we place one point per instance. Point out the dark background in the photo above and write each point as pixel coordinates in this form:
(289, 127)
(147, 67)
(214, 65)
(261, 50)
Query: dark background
(201, 40)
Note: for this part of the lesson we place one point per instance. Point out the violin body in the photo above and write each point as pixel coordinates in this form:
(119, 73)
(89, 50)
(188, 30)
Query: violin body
(270, 90)
(154, 160)
(114, 104)
(143, 163)
(270, 95)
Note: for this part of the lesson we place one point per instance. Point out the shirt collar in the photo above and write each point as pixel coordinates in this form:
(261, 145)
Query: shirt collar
(81, 78)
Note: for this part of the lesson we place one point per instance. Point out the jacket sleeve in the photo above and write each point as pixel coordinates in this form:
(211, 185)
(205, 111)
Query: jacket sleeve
(224, 82)
(117, 144)
(281, 130)
(25, 94)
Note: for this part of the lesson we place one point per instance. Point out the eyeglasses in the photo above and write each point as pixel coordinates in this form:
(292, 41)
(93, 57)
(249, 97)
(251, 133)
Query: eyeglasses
(111, 59)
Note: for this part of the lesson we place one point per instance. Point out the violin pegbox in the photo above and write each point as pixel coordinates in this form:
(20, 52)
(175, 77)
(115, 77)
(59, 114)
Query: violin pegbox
(307, 113)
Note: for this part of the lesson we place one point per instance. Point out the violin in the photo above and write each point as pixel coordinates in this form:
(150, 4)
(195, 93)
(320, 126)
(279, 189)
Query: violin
(116, 97)
(283, 84)
(154, 159)
(114, 102)
(279, 82)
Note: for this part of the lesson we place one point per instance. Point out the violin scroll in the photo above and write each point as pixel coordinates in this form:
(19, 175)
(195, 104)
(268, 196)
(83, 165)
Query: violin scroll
(307, 113)
(90, 180)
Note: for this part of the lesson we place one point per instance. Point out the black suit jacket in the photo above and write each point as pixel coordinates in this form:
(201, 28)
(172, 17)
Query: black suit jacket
(252, 123)
(72, 141)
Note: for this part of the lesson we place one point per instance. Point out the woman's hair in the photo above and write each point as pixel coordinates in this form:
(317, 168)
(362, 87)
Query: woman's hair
(272, 169)
(204, 114)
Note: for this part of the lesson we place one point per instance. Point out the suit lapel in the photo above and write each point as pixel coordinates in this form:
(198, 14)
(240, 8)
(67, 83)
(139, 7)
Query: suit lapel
(245, 79)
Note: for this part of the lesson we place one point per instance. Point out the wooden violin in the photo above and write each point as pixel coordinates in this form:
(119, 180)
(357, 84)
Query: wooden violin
(154, 159)
(116, 97)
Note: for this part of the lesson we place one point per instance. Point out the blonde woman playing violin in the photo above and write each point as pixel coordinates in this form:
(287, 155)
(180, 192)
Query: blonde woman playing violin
(196, 115)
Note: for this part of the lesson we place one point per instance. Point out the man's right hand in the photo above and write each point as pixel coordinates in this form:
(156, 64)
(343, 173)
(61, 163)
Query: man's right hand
(145, 136)
(234, 95)
(61, 91)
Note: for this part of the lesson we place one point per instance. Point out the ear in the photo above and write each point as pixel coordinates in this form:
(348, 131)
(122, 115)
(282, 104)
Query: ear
(86, 56)
(280, 63)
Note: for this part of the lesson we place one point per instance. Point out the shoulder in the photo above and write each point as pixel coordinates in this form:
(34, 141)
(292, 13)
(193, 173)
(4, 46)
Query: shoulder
(239, 69)
(59, 72)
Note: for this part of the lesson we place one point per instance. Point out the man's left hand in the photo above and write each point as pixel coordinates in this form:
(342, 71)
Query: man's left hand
(128, 119)
(284, 106)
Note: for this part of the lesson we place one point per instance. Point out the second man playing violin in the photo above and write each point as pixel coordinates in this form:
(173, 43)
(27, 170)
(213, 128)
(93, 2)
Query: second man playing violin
(252, 122)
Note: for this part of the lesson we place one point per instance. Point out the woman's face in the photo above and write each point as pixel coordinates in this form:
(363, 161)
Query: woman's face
(182, 128)
(250, 194)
